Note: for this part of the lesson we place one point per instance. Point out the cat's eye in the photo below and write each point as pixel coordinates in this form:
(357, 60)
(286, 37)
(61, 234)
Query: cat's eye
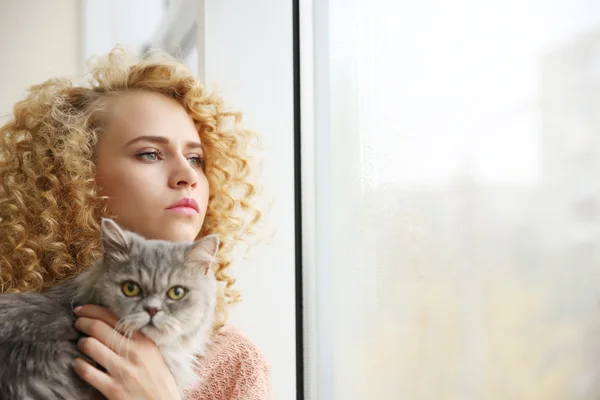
(131, 289)
(176, 293)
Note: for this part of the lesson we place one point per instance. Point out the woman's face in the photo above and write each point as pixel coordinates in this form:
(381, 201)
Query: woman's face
(150, 166)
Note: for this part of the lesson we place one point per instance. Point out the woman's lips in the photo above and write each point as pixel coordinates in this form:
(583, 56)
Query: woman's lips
(183, 210)
(187, 206)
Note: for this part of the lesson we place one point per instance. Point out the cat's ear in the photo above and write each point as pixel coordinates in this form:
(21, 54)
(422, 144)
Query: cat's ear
(203, 252)
(114, 242)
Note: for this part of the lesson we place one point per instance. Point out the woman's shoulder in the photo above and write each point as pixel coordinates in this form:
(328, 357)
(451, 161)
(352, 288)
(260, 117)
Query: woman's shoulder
(232, 368)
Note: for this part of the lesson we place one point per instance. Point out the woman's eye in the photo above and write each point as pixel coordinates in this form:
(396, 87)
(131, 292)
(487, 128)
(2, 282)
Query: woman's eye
(149, 156)
(196, 161)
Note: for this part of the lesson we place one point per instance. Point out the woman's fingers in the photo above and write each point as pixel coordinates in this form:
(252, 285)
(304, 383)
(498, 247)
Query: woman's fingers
(100, 353)
(98, 379)
(103, 314)
(105, 335)
(97, 312)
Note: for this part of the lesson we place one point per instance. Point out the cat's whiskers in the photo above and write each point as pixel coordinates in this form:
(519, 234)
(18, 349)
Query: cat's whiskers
(111, 344)
(134, 321)
(173, 326)
(123, 339)
(127, 326)
(124, 332)
(128, 334)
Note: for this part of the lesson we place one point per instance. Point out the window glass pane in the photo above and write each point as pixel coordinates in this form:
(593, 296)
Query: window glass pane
(458, 199)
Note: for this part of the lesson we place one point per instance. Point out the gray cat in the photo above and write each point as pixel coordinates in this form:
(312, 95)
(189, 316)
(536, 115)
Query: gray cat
(165, 290)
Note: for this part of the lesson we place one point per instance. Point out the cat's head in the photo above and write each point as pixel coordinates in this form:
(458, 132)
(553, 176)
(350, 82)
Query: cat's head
(165, 290)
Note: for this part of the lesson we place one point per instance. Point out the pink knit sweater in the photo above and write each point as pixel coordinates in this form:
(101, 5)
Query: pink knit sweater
(232, 369)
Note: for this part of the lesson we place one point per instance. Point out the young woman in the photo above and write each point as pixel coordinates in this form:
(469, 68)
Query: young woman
(146, 145)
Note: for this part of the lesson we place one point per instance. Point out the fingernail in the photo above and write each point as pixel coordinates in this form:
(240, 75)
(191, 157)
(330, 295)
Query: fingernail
(77, 309)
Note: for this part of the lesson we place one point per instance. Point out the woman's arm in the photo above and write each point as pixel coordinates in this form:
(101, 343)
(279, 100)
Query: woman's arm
(134, 367)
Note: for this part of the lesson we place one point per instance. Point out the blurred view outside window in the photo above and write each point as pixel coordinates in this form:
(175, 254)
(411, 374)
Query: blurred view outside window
(457, 150)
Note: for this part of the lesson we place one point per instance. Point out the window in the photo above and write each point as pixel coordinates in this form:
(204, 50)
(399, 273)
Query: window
(450, 190)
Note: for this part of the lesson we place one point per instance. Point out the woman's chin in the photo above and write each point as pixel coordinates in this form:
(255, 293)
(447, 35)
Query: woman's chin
(178, 231)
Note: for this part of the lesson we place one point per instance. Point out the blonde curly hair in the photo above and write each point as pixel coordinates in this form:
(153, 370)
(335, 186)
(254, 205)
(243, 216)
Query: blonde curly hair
(49, 206)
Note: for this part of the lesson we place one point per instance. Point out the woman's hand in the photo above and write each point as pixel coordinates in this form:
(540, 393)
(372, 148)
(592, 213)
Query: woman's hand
(134, 367)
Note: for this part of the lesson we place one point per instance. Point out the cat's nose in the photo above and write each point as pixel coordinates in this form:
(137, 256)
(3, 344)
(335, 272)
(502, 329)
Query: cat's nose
(151, 310)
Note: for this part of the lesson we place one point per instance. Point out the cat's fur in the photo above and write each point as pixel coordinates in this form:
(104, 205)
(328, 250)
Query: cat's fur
(37, 337)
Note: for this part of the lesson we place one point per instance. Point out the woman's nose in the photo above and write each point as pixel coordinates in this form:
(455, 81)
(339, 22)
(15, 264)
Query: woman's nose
(183, 175)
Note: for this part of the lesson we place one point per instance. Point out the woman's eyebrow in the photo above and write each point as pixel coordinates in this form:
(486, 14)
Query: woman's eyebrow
(162, 140)
(148, 138)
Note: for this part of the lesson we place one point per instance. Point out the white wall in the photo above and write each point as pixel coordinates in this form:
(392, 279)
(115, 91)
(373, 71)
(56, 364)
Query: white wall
(135, 24)
(129, 23)
(38, 40)
(248, 54)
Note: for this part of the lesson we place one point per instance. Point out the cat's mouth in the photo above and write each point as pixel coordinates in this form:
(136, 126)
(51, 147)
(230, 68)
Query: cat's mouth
(152, 326)
(153, 332)
(150, 329)
(158, 330)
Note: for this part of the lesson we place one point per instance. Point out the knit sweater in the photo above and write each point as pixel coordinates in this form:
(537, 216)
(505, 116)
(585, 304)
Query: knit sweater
(232, 369)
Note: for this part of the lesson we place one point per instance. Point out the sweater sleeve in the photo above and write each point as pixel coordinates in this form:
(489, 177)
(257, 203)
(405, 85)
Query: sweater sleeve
(233, 368)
